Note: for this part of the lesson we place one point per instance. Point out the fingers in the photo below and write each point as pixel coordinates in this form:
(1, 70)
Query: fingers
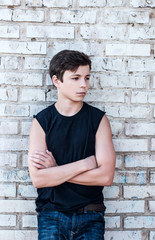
(49, 153)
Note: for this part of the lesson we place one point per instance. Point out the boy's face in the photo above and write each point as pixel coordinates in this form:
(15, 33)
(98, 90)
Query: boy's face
(75, 84)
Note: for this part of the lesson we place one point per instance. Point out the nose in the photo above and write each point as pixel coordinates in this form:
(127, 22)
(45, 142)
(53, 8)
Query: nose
(83, 83)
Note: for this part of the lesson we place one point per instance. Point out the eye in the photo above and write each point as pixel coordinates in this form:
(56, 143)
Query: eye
(87, 78)
(75, 78)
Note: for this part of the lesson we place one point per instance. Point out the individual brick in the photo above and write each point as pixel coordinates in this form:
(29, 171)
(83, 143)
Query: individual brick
(22, 47)
(128, 49)
(34, 31)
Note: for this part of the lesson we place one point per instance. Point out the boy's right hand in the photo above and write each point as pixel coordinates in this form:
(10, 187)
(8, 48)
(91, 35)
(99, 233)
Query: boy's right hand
(43, 159)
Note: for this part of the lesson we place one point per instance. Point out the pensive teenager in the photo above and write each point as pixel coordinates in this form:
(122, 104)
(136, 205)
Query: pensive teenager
(71, 156)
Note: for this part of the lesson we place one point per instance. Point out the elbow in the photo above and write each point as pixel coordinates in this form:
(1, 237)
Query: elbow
(109, 181)
(35, 183)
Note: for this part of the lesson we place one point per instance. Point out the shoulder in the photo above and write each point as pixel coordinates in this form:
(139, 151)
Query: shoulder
(44, 117)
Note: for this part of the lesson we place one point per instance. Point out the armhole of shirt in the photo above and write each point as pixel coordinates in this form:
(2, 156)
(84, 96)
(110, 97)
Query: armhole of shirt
(103, 114)
(43, 126)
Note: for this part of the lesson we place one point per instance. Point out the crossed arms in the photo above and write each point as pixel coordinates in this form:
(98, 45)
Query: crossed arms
(95, 170)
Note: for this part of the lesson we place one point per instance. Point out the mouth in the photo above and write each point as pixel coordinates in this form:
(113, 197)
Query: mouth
(81, 93)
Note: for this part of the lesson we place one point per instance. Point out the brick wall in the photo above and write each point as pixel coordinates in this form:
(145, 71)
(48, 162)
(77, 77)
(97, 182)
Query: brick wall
(119, 36)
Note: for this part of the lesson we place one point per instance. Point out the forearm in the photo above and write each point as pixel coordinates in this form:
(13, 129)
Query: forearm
(94, 177)
(57, 175)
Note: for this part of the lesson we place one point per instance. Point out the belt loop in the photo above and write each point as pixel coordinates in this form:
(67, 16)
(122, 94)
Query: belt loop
(85, 209)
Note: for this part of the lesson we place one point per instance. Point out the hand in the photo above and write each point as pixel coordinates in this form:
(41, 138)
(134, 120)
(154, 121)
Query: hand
(43, 159)
(91, 162)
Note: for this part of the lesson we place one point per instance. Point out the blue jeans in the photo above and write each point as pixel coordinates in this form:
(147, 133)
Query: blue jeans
(71, 226)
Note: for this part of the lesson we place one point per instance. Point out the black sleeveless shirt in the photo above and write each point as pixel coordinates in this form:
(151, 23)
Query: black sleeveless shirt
(69, 138)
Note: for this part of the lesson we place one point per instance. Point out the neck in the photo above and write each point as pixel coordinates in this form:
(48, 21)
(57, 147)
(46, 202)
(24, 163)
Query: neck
(68, 108)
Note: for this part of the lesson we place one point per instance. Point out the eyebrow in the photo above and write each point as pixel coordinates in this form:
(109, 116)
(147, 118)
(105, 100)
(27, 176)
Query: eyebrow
(79, 74)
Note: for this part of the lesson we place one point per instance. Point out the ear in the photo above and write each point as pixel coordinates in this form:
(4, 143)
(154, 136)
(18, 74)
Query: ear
(55, 81)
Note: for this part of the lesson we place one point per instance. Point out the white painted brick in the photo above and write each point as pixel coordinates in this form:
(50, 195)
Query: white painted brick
(73, 16)
(23, 47)
(8, 159)
(36, 63)
(23, 206)
(11, 63)
(111, 192)
(14, 110)
(151, 97)
(48, 80)
(5, 14)
(124, 235)
(153, 144)
(142, 3)
(52, 95)
(13, 144)
(61, 3)
(13, 175)
(28, 15)
(153, 83)
(125, 206)
(138, 129)
(100, 32)
(138, 192)
(7, 127)
(128, 49)
(8, 94)
(114, 3)
(3, 94)
(25, 128)
(152, 235)
(117, 128)
(135, 177)
(9, 31)
(139, 222)
(127, 16)
(119, 161)
(141, 32)
(91, 48)
(20, 78)
(25, 160)
(130, 145)
(7, 220)
(18, 234)
(30, 221)
(141, 65)
(102, 64)
(7, 190)
(10, 2)
(105, 95)
(139, 97)
(152, 177)
(50, 32)
(112, 222)
(92, 3)
(34, 3)
(122, 81)
(32, 95)
(128, 111)
(34, 109)
(152, 206)
(27, 191)
(141, 160)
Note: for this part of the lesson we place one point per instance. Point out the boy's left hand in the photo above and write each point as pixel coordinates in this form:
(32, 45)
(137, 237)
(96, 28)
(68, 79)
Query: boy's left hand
(42, 159)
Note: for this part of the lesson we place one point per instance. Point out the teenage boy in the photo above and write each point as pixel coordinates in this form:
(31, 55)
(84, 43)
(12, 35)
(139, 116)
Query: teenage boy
(71, 156)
